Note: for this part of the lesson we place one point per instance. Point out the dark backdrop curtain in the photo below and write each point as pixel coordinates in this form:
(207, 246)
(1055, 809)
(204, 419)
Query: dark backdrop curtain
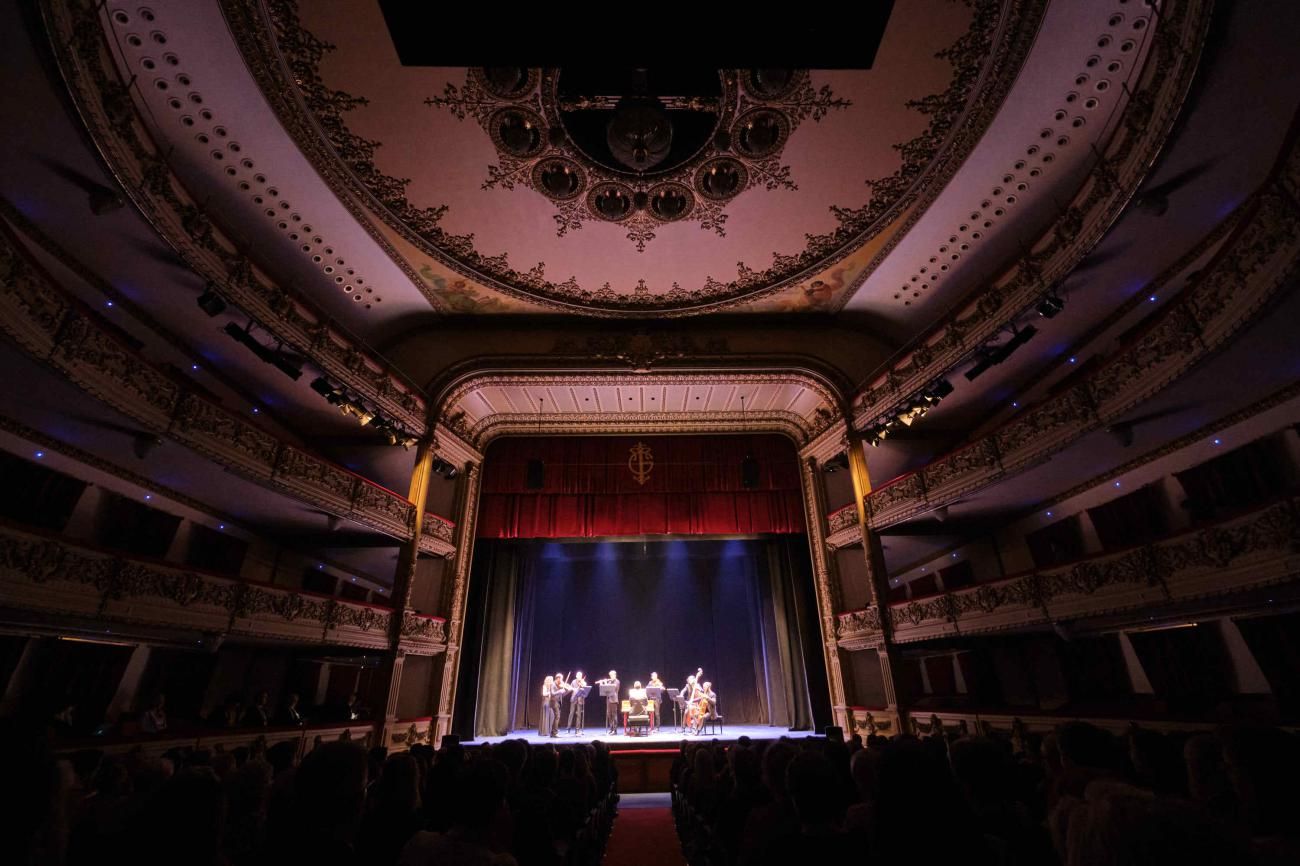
(741, 609)
(696, 486)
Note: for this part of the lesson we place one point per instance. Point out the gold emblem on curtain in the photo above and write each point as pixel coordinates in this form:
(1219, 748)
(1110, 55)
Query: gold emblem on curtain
(640, 460)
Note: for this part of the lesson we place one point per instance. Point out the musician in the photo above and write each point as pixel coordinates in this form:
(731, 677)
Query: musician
(656, 683)
(636, 697)
(611, 702)
(709, 699)
(688, 690)
(561, 689)
(577, 708)
(550, 707)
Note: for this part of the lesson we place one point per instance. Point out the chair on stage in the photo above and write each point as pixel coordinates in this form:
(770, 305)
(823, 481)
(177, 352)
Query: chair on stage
(636, 715)
(713, 720)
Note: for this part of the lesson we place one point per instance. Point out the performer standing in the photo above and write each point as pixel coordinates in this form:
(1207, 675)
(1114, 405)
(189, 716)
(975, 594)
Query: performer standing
(550, 707)
(577, 704)
(561, 688)
(611, 702)
(656, 683)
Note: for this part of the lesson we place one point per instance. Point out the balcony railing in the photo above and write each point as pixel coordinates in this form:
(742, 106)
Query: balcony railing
(43, 572)
(1242, 552)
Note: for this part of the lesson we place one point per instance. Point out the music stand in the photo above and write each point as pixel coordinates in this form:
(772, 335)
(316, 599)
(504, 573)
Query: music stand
(580, 718)
(675, 695)
(607, 691)
(655, 693)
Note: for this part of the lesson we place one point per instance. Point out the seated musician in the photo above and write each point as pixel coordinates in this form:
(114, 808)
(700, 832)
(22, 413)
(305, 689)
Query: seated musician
(708, 698)
(637, 697)
(655, 682)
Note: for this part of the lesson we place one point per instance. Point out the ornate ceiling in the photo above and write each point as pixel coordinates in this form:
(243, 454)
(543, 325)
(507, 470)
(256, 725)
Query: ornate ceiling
(503, 191)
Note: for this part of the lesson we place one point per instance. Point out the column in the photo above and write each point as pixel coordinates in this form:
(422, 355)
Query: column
(828, 591)
(128, 688)
(402, 580)
(455, 592)
(878, 580)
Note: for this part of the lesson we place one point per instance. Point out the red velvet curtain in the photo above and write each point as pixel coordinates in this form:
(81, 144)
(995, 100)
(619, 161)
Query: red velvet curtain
(590, 487)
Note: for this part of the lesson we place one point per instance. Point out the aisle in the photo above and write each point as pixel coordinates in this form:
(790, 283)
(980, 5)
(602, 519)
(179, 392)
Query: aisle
(643, 833)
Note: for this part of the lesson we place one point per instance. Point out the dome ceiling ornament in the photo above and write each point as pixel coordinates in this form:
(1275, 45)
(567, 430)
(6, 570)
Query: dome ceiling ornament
(638, 147)
(762, 189)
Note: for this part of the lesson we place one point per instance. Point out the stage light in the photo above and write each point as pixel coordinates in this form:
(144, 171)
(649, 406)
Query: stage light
(40, 454)
(274, 357)
(329, 392)
(1072, 359)
(941, 389)
(1049, 306)
(991, 356)
(907, 417)
(210, 302)
(836, 463)
(1218, 441)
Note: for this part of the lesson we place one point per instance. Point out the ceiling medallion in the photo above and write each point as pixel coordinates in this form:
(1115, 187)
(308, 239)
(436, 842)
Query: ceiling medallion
(638, 147)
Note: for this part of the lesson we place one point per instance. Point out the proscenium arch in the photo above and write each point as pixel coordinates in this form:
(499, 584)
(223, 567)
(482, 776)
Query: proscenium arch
(810, 431)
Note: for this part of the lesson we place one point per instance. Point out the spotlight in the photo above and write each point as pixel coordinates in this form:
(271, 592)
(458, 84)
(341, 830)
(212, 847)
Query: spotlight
(274, 357)
(836, 463)
(408, 442)
(329, 392)
(1049, 306)
(443, 468)
(991, 356)
(363, 415)
(210, 302)
(907, 416)
(941, 389)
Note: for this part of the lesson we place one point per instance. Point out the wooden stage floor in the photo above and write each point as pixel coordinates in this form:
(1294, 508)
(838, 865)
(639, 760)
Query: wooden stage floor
(666, 738)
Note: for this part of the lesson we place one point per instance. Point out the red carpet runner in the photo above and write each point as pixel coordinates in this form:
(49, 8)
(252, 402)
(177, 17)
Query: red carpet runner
(643, 833)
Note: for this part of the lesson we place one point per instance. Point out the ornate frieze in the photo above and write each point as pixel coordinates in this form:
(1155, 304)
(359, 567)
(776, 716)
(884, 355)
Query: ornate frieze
(1154, 104)
(841, 519)
(1253, 550)
(91, 358)
(43, 573)
(110, 115)
(286, 60)
(1220, 301)
(421, 634)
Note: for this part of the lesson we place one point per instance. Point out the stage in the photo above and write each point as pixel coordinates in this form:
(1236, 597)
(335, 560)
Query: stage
(667, 738)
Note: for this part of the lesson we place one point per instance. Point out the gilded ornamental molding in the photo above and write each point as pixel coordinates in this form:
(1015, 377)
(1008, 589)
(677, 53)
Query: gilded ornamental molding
(109, 114)
(1150, 114)
(1254, 550)
(285, 59)
(1254, 265)
(57, 330)
(842, 529)
(51, 574)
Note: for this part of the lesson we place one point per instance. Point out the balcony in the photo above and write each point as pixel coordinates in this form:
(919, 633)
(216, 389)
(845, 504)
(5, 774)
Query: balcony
(1248, 551)
(46, 573)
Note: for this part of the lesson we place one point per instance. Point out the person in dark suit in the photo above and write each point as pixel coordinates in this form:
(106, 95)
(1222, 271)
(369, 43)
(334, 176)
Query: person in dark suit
(292, 712)
(611, 702)
(577, 719)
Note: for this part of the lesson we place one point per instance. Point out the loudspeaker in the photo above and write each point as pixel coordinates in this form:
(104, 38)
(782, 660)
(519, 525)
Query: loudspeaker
(749, 473)
(536, 478)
